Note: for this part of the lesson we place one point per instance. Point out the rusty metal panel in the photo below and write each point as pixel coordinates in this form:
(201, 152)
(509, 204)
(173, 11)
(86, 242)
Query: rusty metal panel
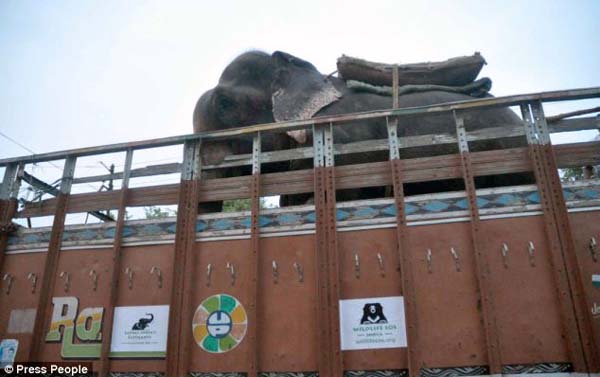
(75, 265)
(449, 311)
(229, 273)
(585, 227)
(373, 279)
(21, 297)
(525, 299)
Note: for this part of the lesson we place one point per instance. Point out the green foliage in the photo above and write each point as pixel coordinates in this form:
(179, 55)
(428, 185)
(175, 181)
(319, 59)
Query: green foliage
(572, 174)
(238, 205)
(158, 213)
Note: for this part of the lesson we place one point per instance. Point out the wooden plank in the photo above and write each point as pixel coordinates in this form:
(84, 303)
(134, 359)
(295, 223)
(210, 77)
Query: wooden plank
(104, 369)
(43, 310)
(504, 161)
(488, 313)
(484, 103)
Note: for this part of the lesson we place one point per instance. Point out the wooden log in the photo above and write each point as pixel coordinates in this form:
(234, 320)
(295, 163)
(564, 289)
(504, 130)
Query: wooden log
(452, 72)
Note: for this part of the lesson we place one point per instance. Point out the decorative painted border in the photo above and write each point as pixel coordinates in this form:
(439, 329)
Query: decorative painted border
(376, 373)
(457, 371)
(426, 372)
(538, 368)
(505, 201)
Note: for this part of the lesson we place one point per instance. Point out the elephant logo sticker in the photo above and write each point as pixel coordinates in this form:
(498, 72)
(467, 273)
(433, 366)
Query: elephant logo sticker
(219, 324)
(142, 323)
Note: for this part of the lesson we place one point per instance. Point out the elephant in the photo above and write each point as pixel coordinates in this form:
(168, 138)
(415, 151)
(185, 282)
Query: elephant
(143, 322)
(257, 87)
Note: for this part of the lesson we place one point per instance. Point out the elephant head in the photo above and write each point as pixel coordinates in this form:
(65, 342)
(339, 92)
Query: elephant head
(260, 88)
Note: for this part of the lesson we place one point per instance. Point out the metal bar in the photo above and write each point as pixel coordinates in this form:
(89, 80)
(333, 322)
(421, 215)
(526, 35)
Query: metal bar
(254, 261)
(9, 192)
(43, 309)
(403, 241)
(41, 185)
(177, 349)
(324, 346)
(117, 255)
(333, 257)
(591, 348)
(483, 271)
(569, 322)
(287, 126)
(187, 307)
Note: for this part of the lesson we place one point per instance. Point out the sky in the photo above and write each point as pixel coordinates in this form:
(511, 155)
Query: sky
(84, 73)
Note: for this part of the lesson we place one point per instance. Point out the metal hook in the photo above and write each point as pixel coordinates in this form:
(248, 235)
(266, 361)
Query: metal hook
(158, 274)
(275, 271)
(94, 276)
(356, 266)
(429, 261)
(231, 269)
(10, 279)
(67, 277)
(456, 259)
(593, 245)
(33, 277)
(300, 271)
(504, 252)
(129, 273)
(208, 274)
(381, 266)
(531, 251)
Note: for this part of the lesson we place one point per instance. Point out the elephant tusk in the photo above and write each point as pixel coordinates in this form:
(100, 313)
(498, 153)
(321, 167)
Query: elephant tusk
(299, 136)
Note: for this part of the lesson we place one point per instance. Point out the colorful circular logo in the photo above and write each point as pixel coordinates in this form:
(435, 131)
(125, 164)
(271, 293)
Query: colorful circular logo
(219, 324)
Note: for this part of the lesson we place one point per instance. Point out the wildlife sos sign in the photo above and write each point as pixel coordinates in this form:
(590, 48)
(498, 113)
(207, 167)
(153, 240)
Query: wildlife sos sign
(372, 323)
(140, 331)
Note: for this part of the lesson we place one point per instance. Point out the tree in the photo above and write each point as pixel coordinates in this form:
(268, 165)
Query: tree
(158, 213)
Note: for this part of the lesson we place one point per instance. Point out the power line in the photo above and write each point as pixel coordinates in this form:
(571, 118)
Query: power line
(16, 142)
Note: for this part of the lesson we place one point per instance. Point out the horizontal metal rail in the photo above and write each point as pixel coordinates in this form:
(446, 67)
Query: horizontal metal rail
(509, 130)
(485, 103)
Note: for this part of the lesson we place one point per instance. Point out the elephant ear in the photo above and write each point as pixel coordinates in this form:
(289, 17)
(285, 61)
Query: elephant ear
(299, 90)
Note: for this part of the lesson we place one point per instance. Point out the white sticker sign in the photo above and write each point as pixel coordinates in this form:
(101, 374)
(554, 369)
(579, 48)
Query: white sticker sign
(372, 323)
(8, 351)
(140, 331)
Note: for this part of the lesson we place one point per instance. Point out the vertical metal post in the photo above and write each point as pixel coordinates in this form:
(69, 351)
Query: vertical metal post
(51, 264)
(569, 279)
(402, 239)
(569, 322)
(333, 258)
(183, 266)
(9, 191)
(591, 345)
(254, 261)
(104, 369)
(490, 326)
(321, 257)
